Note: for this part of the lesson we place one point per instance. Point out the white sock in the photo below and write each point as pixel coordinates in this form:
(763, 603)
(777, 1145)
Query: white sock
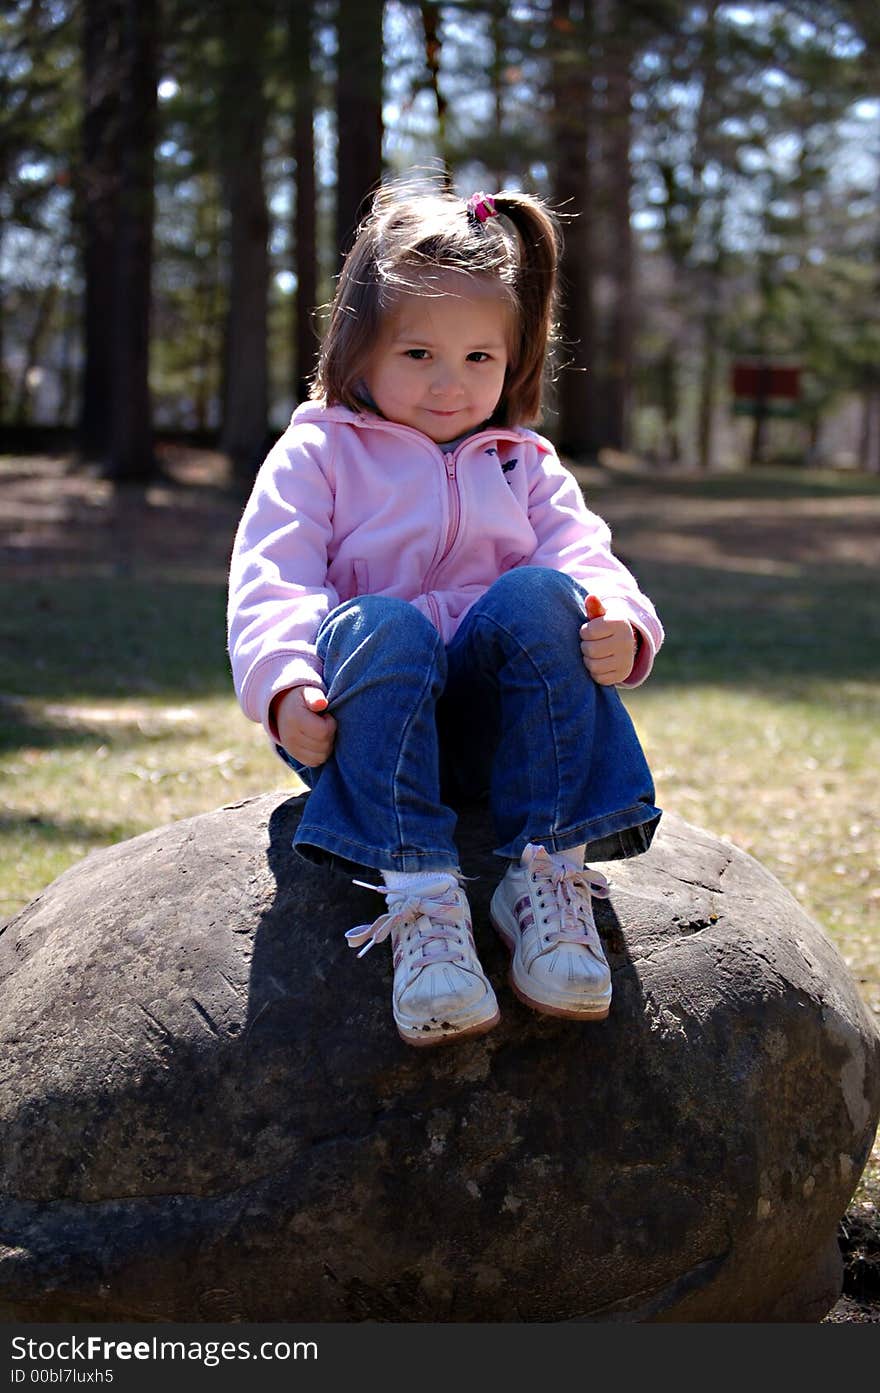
(572, 856)
(411, 882)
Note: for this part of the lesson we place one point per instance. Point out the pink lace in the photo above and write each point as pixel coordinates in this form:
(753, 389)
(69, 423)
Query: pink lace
(568, 886)
(433, 915)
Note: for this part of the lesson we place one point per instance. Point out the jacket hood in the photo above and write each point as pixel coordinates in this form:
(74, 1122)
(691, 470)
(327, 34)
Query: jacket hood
(316, 411)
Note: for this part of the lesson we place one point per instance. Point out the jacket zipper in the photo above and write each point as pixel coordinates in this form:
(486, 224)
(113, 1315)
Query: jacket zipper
(452, 529)
(455, 509)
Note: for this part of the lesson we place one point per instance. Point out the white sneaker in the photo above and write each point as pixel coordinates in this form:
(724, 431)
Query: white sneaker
(440, 990)
(543, 911)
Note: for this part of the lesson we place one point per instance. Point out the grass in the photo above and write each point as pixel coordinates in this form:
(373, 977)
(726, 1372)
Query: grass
(760, 722)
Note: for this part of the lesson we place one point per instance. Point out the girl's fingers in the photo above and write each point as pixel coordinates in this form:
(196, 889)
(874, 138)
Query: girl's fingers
(607, 676)
(596, 629)
(320, 748)
(311, 752)
(314, 699)
(601, 648)
(310, 735)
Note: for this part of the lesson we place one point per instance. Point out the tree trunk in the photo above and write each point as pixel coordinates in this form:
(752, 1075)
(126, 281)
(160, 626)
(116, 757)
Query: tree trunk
(98, 199)
(870, 441)
(870, 454)
(243, 123)
(711, 338)
(3, 391)
(813, 430)
(707, 389)
(67, 373)
(758, 446)
(305, 237)
(131, 437)
(358, 112)
(671, 448)
(208, 309)
(575, 401)
(498, 11)
(616, 391)
(46, 301)
(430, 12)
(706, 128)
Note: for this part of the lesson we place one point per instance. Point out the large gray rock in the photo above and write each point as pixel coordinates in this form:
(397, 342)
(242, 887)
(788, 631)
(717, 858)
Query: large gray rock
(207, 1114)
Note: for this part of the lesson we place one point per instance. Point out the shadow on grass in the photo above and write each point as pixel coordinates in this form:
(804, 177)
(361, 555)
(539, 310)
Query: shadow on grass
(29, 725)
(113, 637)
(785, 485)
(63, 639)
(21, 729)
(730, 628)
(62, 831)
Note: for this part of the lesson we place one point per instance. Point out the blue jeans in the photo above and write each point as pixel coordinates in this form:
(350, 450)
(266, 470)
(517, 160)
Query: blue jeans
(506, 711)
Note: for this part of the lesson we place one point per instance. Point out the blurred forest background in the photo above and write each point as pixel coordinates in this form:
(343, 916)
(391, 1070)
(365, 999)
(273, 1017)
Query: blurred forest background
(178, 181)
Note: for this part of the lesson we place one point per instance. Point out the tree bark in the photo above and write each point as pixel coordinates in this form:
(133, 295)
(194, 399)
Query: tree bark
(870, 434)
(711, 346)
(668, 389)
(430, 12)
(620, 336)
(358, 112)
(99, 199)
(569, 72)
(243, 128)
(706, 135)
(207, 305)
(131, 436)
(305, 237)
(498, 11)
(46, 301)
(707, 388)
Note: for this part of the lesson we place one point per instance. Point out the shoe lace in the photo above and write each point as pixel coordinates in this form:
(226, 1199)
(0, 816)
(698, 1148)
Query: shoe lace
(431, 919)
(570, 891)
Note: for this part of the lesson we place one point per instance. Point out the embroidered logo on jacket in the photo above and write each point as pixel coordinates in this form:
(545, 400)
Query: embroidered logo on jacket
(506, 465)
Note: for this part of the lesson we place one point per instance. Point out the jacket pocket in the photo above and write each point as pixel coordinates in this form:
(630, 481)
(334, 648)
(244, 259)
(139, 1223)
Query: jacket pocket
(361, 573)
(352, 580)
(512, 560)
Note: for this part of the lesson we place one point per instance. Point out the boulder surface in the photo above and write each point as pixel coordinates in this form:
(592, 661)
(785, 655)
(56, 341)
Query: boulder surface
(206, 1113)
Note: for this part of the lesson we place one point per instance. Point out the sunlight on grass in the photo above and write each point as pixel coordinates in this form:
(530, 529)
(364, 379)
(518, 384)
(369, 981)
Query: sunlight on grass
(791, 782)
(118, 771)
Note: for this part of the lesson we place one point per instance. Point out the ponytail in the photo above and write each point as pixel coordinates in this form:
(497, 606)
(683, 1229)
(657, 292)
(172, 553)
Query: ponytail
(535, 287)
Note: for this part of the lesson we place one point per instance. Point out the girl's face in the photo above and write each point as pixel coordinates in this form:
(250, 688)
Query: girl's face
(440, 361)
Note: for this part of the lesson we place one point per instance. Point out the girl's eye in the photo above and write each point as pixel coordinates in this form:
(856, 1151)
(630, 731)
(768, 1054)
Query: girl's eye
(417, 354)
(478, 357)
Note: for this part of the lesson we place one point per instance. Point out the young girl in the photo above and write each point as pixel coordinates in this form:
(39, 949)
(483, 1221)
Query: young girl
(409, 616)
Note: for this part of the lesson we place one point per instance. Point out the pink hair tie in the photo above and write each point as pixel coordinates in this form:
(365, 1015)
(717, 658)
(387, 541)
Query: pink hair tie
(481, 206)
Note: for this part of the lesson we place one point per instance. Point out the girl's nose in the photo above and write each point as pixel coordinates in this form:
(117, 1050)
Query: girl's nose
(445, 382)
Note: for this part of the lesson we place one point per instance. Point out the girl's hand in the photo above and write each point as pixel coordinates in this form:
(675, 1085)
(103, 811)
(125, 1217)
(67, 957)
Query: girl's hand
(608, 645)
(305, 727)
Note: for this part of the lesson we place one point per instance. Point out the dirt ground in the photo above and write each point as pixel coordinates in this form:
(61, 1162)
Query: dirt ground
(56, 518)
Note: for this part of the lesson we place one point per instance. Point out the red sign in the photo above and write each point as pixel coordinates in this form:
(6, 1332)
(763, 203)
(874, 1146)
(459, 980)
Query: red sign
(758, 381)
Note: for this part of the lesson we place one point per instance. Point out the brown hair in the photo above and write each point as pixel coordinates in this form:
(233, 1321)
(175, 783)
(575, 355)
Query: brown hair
(413, 233)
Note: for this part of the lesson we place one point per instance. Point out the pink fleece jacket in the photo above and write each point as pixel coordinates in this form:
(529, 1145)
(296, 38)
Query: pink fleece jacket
(349, 504)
